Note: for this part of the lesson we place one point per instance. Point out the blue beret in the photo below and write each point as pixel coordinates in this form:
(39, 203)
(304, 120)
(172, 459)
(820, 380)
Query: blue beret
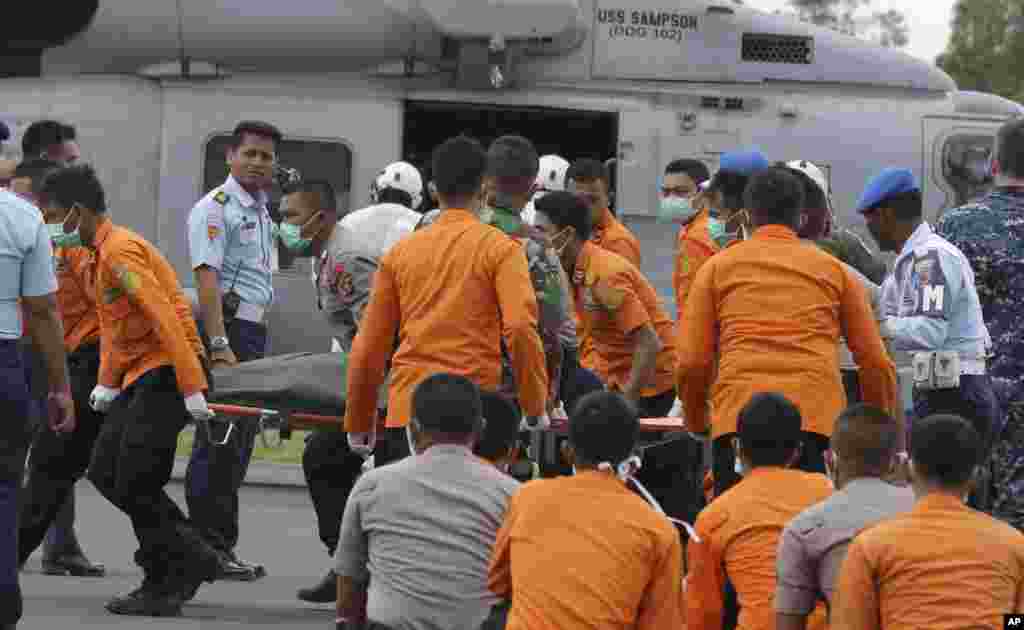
(891, 181)
(743, 162)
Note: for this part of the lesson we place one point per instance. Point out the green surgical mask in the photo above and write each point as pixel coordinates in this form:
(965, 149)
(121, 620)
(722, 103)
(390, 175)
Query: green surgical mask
(291, 238)
(676, 209)
(60, 238)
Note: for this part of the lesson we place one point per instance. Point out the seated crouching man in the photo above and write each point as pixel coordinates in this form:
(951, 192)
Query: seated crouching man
(421, 530)
(585, 551)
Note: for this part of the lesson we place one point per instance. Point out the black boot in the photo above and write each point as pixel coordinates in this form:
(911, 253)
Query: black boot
(325, 592)
(152, 599)
(72, 563)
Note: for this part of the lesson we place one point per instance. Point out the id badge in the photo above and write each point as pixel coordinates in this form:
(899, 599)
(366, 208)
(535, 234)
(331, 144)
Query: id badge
(923, 370)
(946, 369)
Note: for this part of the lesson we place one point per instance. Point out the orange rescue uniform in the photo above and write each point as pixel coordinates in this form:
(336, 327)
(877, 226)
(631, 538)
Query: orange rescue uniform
(145, 319)
(940, 566)
(450, 292)
(610, 234)
(739, 534)
(76, 296)
(772, 309)
(613, 300)
(694, 247)
(586, 552)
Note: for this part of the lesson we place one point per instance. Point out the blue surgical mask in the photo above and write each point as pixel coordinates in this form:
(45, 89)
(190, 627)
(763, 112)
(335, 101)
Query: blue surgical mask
(291, 238)
(675, 209)
(60, 238)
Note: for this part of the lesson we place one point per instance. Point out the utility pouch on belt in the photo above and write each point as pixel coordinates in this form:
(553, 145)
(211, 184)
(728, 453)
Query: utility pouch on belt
(937, 370)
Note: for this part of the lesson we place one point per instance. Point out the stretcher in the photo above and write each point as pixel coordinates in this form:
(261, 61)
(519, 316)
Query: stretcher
(306, 391)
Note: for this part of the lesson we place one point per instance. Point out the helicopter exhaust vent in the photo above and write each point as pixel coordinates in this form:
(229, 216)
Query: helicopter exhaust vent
(769, 48)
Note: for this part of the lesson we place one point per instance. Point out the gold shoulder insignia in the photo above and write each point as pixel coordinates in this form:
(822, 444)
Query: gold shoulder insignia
(221, 197)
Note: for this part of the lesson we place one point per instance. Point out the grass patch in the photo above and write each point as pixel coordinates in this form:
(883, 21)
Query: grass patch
(289, 453)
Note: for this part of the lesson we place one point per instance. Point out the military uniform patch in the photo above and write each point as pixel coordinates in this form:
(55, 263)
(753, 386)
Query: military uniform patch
(221, 197)
(213, 231)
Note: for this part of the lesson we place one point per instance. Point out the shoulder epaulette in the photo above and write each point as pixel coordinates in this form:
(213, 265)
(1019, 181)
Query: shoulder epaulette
(221, 197)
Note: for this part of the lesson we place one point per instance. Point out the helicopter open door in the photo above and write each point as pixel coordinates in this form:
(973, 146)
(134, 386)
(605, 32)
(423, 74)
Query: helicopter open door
(957, 155)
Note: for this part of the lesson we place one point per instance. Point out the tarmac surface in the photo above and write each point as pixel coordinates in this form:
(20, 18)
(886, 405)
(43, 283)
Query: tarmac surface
(278, 530)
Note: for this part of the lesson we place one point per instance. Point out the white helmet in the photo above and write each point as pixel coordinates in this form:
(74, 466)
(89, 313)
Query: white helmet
(400, 176)
(817, 176)
(551, 174)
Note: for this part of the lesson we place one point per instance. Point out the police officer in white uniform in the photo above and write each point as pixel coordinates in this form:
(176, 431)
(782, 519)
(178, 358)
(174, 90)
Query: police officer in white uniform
(347, 258)
(231, 242)
(27, 284)
(932, 309)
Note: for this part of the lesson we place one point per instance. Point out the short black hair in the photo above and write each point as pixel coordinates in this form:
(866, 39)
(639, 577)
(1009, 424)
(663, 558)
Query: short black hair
(566, 209)
(907, 206)
(448, 404)
(1010, 148)
(255, 128)
(514, 163)
(769, 429)
(695, 169)
(393, 195)
(35, 169)
(502, 431)
(945, 449)
(586, 169)
(603, 427)
(867, 437)
(458, 166)
(319, 187)
(77, 184)
(731, 186)
(43, 134)
(775, 196)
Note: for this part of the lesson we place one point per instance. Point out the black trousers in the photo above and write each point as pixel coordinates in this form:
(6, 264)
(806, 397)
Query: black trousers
(215, 473)
(723, 458)
(58, 461)
(331, 470)
(132, 463)
(671, 470)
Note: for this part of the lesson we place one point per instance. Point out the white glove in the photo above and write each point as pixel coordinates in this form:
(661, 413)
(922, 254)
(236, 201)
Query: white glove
(677, 409)
(535, 423)
(101, 398)
(196, 406)
(362, 443)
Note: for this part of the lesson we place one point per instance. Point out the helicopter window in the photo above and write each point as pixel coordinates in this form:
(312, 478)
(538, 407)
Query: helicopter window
(966, 166)
(307, 159)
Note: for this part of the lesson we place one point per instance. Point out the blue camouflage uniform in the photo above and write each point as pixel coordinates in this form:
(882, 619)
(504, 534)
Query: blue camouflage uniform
(990, 233)
(230, 231)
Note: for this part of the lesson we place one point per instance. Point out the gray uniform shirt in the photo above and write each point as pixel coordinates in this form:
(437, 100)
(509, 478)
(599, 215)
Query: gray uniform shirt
(422, 530)
(814, 544)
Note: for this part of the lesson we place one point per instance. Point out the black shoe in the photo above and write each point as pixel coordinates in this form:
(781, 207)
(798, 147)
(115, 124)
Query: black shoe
(323, 593)
(75, 564)
(233, 570)
(149, 600)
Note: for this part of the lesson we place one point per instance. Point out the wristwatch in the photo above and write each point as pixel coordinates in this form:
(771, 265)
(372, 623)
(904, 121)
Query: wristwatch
(219, 343)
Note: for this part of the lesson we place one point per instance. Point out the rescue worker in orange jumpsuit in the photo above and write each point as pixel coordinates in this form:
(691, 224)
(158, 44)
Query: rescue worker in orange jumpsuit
(57, 462)
(451, 293)
(633, 339)
(591, 180)
(151, 381)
